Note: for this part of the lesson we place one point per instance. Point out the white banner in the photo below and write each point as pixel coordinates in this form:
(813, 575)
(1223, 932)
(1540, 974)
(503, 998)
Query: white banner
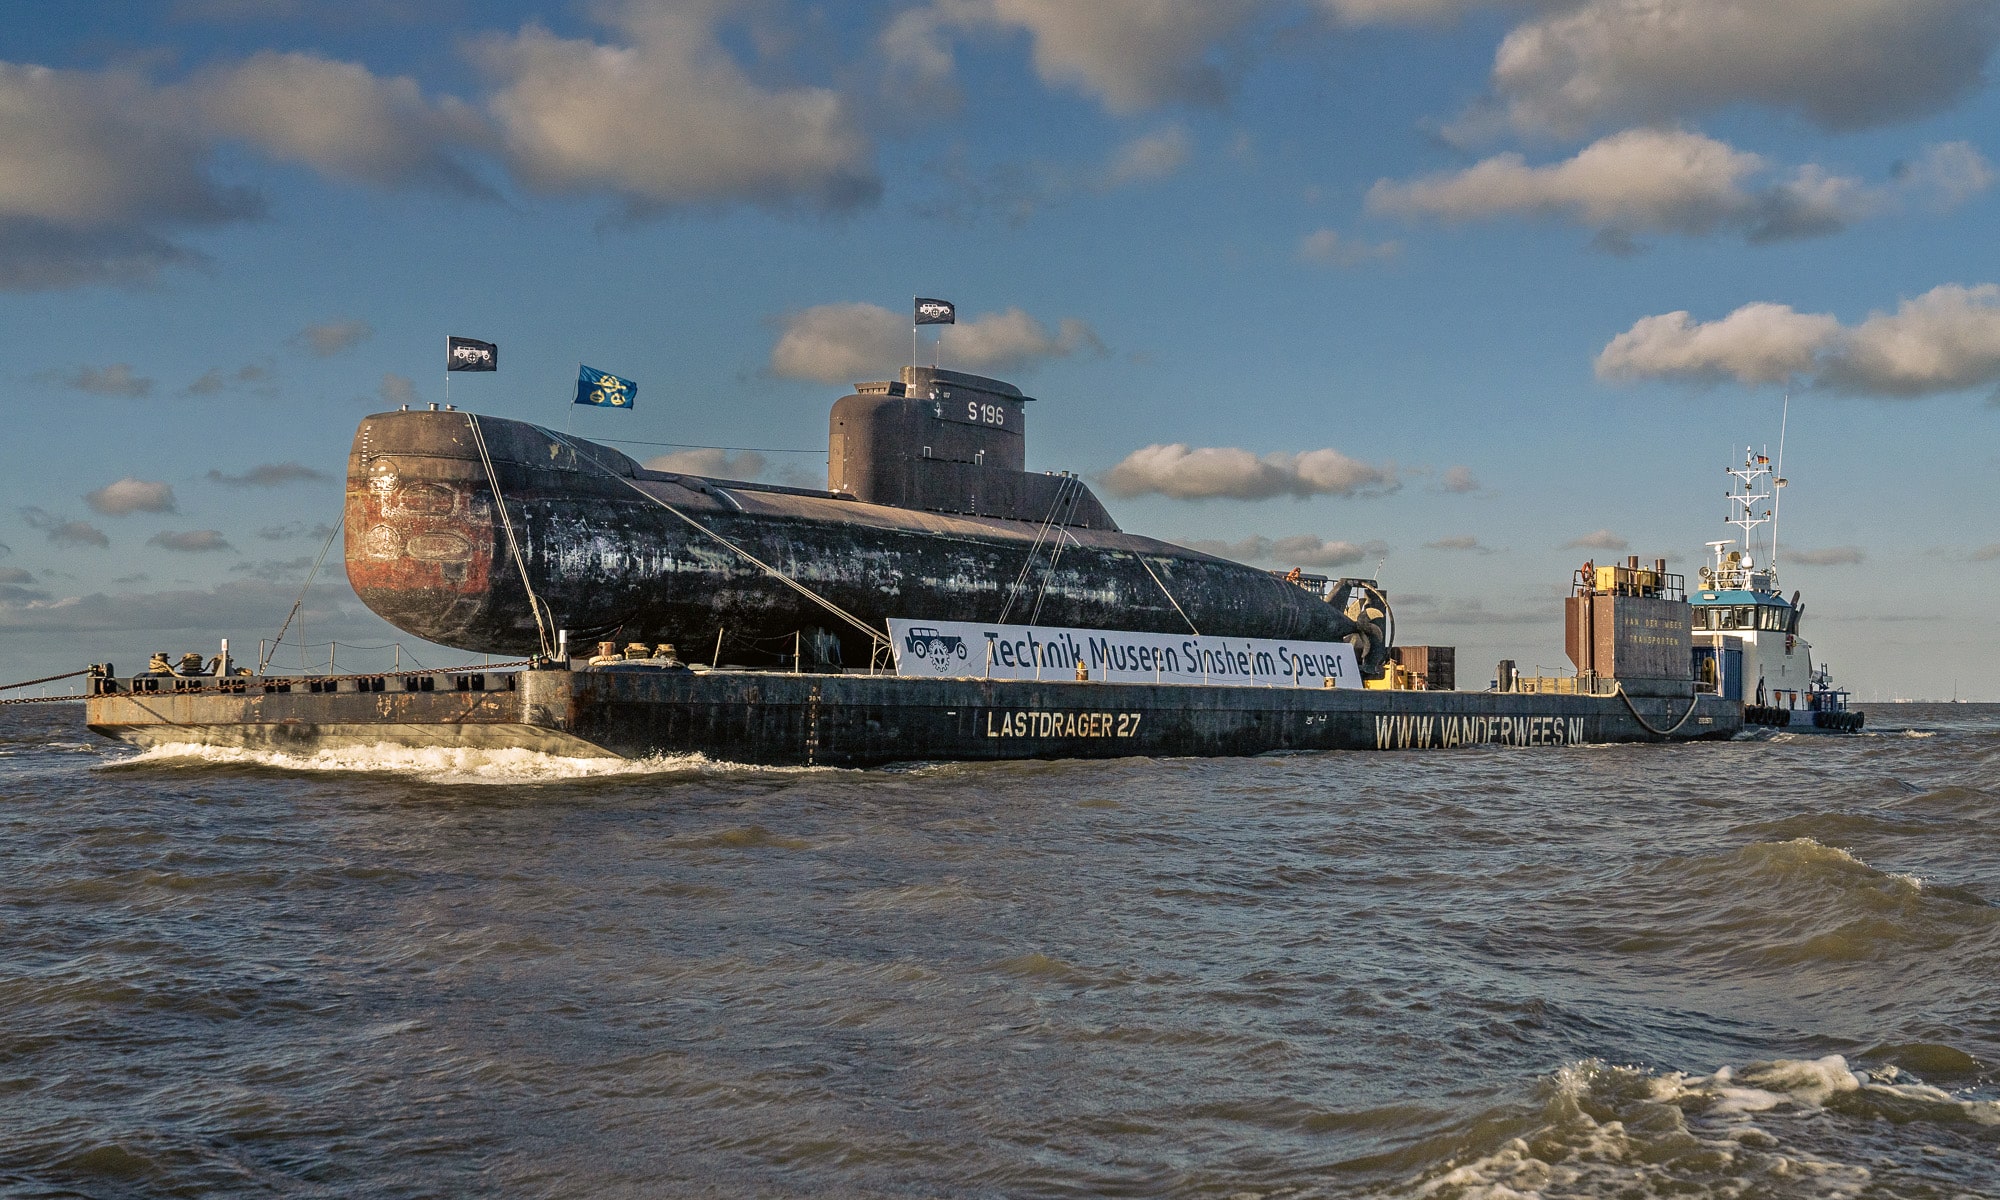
(952, 649)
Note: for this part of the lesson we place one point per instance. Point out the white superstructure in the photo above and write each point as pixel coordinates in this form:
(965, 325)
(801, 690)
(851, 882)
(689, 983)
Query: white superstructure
(1747, 640)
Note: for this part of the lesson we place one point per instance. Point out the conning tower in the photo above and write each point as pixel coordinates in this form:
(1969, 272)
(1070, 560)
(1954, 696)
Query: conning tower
(949, 442)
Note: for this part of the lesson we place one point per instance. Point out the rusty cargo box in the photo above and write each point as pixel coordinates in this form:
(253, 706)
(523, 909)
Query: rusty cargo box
(1434, 666)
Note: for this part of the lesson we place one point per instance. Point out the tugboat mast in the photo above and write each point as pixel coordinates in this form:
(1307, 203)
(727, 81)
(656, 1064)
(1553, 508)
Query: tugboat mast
(1738, 569)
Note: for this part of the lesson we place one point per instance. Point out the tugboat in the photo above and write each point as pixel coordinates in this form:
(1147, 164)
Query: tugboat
(1747, 644)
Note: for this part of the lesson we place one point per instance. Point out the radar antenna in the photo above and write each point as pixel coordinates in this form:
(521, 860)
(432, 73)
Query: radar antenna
(1735, 569)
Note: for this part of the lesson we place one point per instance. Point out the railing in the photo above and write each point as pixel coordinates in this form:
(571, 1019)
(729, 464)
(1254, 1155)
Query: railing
(1565, 685)
(1628, 581)
(484, 680)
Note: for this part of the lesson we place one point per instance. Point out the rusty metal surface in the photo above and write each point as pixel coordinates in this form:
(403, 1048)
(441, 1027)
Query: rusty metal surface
(426, 551)
(1644, 641)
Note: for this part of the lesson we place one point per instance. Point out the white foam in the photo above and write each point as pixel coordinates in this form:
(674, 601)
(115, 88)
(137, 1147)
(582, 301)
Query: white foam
(446, 764)
(1621, 1131)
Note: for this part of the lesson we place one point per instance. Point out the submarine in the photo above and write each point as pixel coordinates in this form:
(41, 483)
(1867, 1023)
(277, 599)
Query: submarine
(501, 537)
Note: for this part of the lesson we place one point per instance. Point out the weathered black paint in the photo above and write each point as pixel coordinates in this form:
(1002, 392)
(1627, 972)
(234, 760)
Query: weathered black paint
(862, 720)
(427, 550)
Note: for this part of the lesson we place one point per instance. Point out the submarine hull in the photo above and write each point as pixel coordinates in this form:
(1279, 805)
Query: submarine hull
(454, 522)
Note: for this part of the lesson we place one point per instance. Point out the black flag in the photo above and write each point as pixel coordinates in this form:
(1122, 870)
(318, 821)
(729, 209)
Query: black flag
(470, 354)
(936, 312)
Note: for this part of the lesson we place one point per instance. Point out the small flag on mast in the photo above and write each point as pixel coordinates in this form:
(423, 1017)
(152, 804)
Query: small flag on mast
(470, 354)
(603, 389)
(935, 312)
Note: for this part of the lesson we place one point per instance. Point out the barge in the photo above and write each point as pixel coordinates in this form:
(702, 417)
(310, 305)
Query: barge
(779, 718)
(937, 601)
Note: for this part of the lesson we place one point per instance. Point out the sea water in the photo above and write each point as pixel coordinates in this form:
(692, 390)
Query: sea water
(1764, 968)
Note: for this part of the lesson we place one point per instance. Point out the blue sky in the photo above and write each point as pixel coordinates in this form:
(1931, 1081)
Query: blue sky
(1465, 292)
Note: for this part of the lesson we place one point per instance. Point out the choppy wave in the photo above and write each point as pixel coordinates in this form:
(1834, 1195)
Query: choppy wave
(436, 764)
(1779, 1129)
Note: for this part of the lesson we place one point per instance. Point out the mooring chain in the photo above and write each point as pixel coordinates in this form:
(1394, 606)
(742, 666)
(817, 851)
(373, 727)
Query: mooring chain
(8, 687)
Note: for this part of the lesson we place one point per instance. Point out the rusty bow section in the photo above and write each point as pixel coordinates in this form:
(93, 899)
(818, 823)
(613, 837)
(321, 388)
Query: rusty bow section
(421, 546)
(615, 550)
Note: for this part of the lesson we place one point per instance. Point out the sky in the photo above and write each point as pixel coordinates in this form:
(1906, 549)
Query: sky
(1451, 293)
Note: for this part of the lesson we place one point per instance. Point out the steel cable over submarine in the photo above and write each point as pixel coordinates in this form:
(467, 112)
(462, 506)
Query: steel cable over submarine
(484, 534)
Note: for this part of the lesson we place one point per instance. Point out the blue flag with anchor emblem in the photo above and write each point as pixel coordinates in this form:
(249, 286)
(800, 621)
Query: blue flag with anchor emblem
(603, 389)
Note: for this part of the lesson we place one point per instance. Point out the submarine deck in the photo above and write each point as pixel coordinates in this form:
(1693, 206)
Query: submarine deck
(860, 720)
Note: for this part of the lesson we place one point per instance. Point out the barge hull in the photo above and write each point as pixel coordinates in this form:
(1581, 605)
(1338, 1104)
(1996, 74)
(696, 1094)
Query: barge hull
(861, 720)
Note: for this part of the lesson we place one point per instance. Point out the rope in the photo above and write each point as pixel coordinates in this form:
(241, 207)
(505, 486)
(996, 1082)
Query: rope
(1668, 731)
(300, 602)
(1063, 538)
(514, 545)
(1169, 595)
(873, 636)
(8, 687)
(1035, 548)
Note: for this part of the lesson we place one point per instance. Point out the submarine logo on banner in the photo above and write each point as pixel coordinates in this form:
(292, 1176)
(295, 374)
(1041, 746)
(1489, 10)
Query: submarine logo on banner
(935, 312)
(603, 389)
(956, 649)
(470, 354)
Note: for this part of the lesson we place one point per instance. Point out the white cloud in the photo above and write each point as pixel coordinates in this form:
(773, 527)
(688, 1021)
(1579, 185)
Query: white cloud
(1830, 556)
(1946, 340)
(1464, 542)
(339, 118)
(118, 379)
(214, 381)
(1758, 343)
(295, 529)
(1843, 64)
(64, 532)
(1676, 181)
(1209, 473)
(131, 495)
(1328, 248)
(270, 475)
(1372, 12)
(227, 609)
(1459, 481)
(1129, 54)
(97, 174)
(1987, 553)
(329, 338)
(1947, 174)
(397, 389)
(710, 462)
(843, 343)
(1013, 340)
(190, 541)
(1148, 157)
(670, 120)
(1299, 550)
(1603, 539)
